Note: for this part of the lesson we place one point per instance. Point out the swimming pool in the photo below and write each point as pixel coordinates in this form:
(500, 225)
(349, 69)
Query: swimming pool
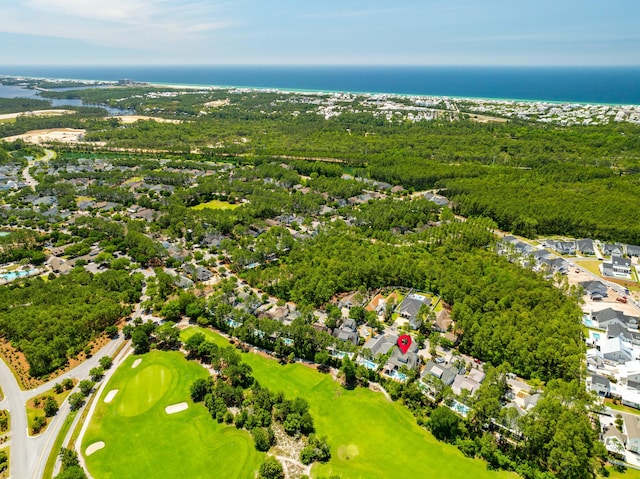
(11, 275)
(367, 364)
(460, 408)
(588, 321)
(398, 376)
(4, 233)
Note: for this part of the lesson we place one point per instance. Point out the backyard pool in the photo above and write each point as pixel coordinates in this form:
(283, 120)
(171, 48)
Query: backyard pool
(460, 408)
(11, 275)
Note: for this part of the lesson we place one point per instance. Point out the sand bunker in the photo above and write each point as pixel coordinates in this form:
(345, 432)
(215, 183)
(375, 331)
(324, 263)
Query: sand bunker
(136, 362)
(174, 408)
(110, 395)
(96, 446)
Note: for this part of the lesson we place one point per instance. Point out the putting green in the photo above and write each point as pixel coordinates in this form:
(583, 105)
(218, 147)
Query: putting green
(142, 440)
(144, 390)
(369, 436)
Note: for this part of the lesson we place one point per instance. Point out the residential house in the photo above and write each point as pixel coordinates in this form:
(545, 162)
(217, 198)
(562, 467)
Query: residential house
(605, 317)
(470, 382)
(58, 265)
(633, 250)
(443, 321)
(562, 247)
(183, 282)
(621, 265)
(377, 304)
(585, 246)
(595, 289)
(398, 359)
(446, 374)
(410, 307)
(614, 442)
(632, 428)
(348, 331)
(381, 344)
(614, 350)
(600, 385)
(629, 375)
(437, 199)
(531, 400)
(609, 249)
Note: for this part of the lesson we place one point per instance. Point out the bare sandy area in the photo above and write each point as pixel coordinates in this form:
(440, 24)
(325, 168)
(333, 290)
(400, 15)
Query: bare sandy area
(217, 103)
(136, 363)
(110, 395)
(174, 408)
(127, 119)
(11, 116)
(96, 446)
(63, 135)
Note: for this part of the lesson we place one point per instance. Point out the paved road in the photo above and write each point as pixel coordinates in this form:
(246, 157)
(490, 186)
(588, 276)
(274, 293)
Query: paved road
(29, 454)
(30, 180)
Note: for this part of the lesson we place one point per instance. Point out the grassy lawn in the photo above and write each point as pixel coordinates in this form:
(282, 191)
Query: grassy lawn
(34, 411)
(621, 407)
(57, 445)
(590, 265)
(627, 474)
(215, 205)
(142, 440)
(369, 436)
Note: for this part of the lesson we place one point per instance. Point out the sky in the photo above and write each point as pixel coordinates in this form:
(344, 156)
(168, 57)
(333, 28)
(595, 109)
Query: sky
(321, 32)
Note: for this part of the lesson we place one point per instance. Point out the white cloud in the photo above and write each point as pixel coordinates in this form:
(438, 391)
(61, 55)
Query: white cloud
(143, 24)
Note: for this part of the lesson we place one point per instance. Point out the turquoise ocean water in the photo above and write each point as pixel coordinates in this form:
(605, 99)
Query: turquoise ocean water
(615, 85)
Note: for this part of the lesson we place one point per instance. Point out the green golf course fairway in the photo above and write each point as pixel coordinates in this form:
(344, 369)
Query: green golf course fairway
(369, 436)
(142, 440)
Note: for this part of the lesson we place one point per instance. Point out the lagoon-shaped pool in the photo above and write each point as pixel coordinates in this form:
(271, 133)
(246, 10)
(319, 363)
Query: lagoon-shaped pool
(11, 275)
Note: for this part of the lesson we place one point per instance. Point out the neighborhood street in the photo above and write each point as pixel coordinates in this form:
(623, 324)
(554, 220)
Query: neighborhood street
(28, 455)
(30, 180)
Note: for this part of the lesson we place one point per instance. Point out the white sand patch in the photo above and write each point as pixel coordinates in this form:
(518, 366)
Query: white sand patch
(174, 408)
(110, 395)
(128, 119)
(10, 116)
(136, 362)
(96, 446)
(64, 135)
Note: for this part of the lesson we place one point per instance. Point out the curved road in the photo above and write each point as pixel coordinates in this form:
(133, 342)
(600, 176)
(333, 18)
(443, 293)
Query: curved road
(29, 454)
(30, 180)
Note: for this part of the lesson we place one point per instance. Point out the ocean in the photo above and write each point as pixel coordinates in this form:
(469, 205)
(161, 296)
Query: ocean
(610, 85)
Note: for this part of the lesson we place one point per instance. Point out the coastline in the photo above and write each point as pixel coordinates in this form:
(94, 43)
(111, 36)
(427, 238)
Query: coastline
(321, 91)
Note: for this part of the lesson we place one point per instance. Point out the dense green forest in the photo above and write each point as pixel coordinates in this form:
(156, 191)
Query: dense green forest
(506, 314)
(51, 321)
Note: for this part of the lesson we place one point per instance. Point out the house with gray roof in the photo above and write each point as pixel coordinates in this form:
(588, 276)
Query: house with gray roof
(381, 344)
(615, 351)
(609, 249)
(562, 247)
(595, 289)
(621, 265)
(632, 428)
(632, 250)
(437, 199)
(446, 374)
(399, 359)
(605, 317)
(585, 246)
(600, 385)
(348, 331)
(410, 307)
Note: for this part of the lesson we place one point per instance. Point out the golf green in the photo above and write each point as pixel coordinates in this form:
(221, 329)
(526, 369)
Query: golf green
(142, 440)
(369, 436)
